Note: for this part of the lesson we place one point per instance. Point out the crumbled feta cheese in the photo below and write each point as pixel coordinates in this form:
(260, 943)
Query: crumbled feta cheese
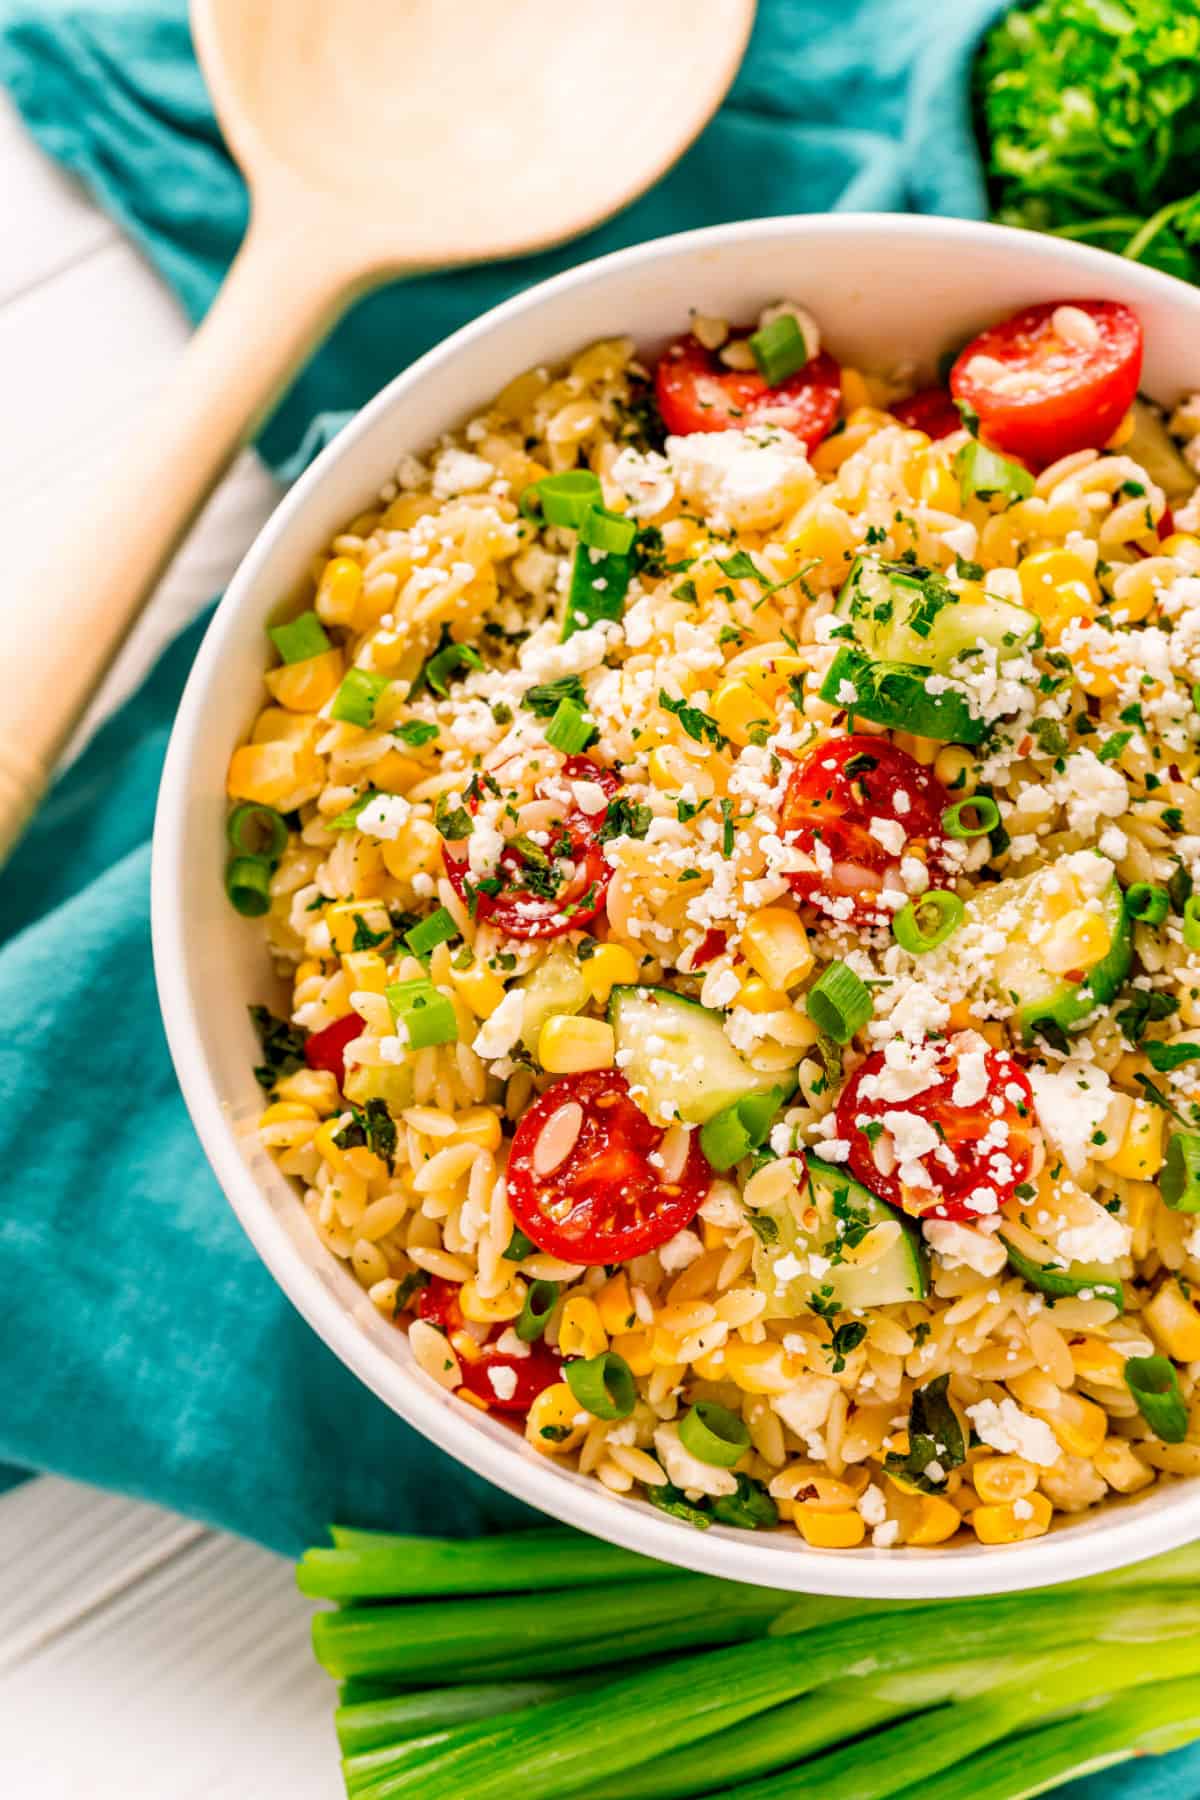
(503, 1381)
(1003, 1426)
(957, 1245)
(679, 1251)
(385, 816)
(497, 1035)
(458, 472)
(744, 479)
(1071, 1103)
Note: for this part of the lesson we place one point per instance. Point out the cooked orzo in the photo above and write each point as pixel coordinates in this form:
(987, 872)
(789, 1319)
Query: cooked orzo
(729, 832)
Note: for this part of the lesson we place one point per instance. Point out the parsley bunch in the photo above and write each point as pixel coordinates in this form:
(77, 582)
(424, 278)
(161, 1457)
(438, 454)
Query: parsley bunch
(1090, 114)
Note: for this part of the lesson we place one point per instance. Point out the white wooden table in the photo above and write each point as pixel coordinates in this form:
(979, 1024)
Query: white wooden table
(141, 1657)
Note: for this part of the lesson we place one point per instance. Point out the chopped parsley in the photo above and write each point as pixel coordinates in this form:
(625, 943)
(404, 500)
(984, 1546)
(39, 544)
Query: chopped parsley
(697, 723)
(282, 1047)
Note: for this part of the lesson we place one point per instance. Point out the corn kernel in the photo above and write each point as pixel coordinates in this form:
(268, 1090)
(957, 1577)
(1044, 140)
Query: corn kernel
(550, 1422)
(711, 1367)
(1059, 587)
(1079, 1425)
(352, 921)
(635, 1348)
(329, 1151)
(265, 773)
(284, 1112)
(830, 1530)
(479, 987)
(757, 997)
(936, 1521)
(1013, 1523)
(1116, 1464)
(1141, 1154)
(922, 749)
(776, 946)
(393, 773)
(367, 971)
(1184, 546)
(417, 850)
(956, 769)
(478, 1125)
(1123, 433)
(761, 1368)
(741, 714)
(939, 488)
(615, 1306)
(580, 1332)
(567, 1045)
(491, 1309)
(305, 686)
(1078, 940)
(1094, 1360)
(855, 391)
(609, 966)
(1003, 1478)
(1175, 1322)
(670, 768)
(338, 592)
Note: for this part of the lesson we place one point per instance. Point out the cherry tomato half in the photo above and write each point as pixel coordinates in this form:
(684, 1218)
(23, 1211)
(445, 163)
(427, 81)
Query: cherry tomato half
(576, 861)
(602, 1199)
(969, 1133)
(930, 410)
(326, 1049)
(834, 796)
(1040, 394)
(437, 1303)
(696, 392)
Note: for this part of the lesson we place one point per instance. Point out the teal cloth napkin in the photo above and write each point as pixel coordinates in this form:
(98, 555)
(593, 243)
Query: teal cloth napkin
(142, 1345)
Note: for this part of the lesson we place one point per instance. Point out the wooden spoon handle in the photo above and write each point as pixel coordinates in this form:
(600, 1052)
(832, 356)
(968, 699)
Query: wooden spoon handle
(281, 293)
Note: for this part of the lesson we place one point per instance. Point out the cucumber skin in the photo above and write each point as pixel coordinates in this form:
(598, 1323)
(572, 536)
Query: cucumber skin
(1023, 625)
(1065, 1283)
(1072, 1003)
(636, 993)
(827, 1173)
(948, 720)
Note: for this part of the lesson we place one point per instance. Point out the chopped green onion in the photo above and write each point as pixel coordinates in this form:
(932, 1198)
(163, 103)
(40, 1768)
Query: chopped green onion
(358, 696)
(915, 936)
(1191, 922)
(839, 1004)
(599, 582)
(751, 1508)
(894, 694)
(1147, 903)
(779, 349)
(437, 929)
(603, 530)
(519, 1246)
(267, 828)
(299, 638)
(736, 1130)
(248, 884)
(415, 732)
(714, 1435)
(1155, 1386)
(442, 664)
(603, 1384)
(541, 1297)
(981, 807)
(426, 1016)
(1179, 1182)
(982, 471)
(562, 499)
(571, 728)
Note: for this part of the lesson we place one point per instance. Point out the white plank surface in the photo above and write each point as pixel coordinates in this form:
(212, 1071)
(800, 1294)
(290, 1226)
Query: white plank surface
(141, 1657)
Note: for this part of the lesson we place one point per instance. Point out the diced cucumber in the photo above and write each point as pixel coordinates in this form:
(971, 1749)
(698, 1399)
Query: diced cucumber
(555, 986)
(908, 615)
(1153, 447)
(1062, 1280)
(896, 695)
(676, 1057)
(1019, 977)
(393, 1084)
(899, 1274)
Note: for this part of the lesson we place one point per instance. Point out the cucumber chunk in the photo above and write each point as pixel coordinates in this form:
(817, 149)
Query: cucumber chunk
(1061, 1280)
(781, 1255)
(1020, 908)
(555, 986)
(895, 695)
(908, 615)
(676, 1057)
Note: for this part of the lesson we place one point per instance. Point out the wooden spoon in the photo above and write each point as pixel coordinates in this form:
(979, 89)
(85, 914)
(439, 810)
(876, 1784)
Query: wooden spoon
(377, 137)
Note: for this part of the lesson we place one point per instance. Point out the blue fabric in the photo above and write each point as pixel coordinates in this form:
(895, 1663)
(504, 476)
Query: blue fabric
(142, 1346)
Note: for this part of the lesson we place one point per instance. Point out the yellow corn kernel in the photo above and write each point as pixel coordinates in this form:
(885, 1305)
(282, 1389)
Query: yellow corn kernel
(1123, 433)
(1013, 1523)
(284, 1112)
(775, 944)
(550, 1422)
(367, 970)
(1183, 545)
(1076, 941)
(567, 1045)
(741, 713)
(1175, 1322)
(1099, 679)
(609, 966)
(817, 537)
(936, 1521)
(580, 1332)
(262, 772)
(1079, 1425)
(761, 1368)
(315, 1088)
(491, 1309)
(329, 1151)
(956, 769)
(338, 592)
(393, 773)
(1094, 1360)
(1003, 1478)
(305, 686)
(922, 749)
(479, 987)
(757, 997)
(830, 1530)
(939, 488)
(478, 1125)
(635, 1347)
(671, 768)
(416, 851)
(350, 920)
(614, 1305)
(711, 1367)
(855, 391)
(1141, 1154)
(1116, 1464)
(1059, 587)
(772, 674)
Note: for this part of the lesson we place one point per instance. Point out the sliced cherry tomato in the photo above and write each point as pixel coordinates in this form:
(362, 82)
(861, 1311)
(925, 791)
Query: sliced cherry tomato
(834, 796)
(711, 945)
(930, 410)
(696, 392)
(437, 1303)
(326, 1049)
(1051, 395)
(1166, 525)
(970, 1152)
(603, 1200)
(576, 862)
(540, 1369)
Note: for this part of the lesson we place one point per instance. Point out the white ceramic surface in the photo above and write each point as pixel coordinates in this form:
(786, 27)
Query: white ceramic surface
(883, 288)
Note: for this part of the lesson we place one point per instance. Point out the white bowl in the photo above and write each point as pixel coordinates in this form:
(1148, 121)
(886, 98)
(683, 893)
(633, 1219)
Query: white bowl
(884, 288)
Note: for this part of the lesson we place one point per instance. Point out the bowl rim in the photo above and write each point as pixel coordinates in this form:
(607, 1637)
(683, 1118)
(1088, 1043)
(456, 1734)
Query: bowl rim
(1119, 1536)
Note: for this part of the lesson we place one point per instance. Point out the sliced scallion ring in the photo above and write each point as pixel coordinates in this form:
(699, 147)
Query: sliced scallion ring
(1155, 1386)
(562, 499)
(928, 921)
(571, 729)
(1148, 904)
(248, 884)
(256, 830)
(779, 349)
(609, 531)
(1191, 922)
(423, 1015)
(603, 1384)
(981, 807)
(298, 639)
(714, 1435)
(437, 929)
(839, 1004)
(540, 1300)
